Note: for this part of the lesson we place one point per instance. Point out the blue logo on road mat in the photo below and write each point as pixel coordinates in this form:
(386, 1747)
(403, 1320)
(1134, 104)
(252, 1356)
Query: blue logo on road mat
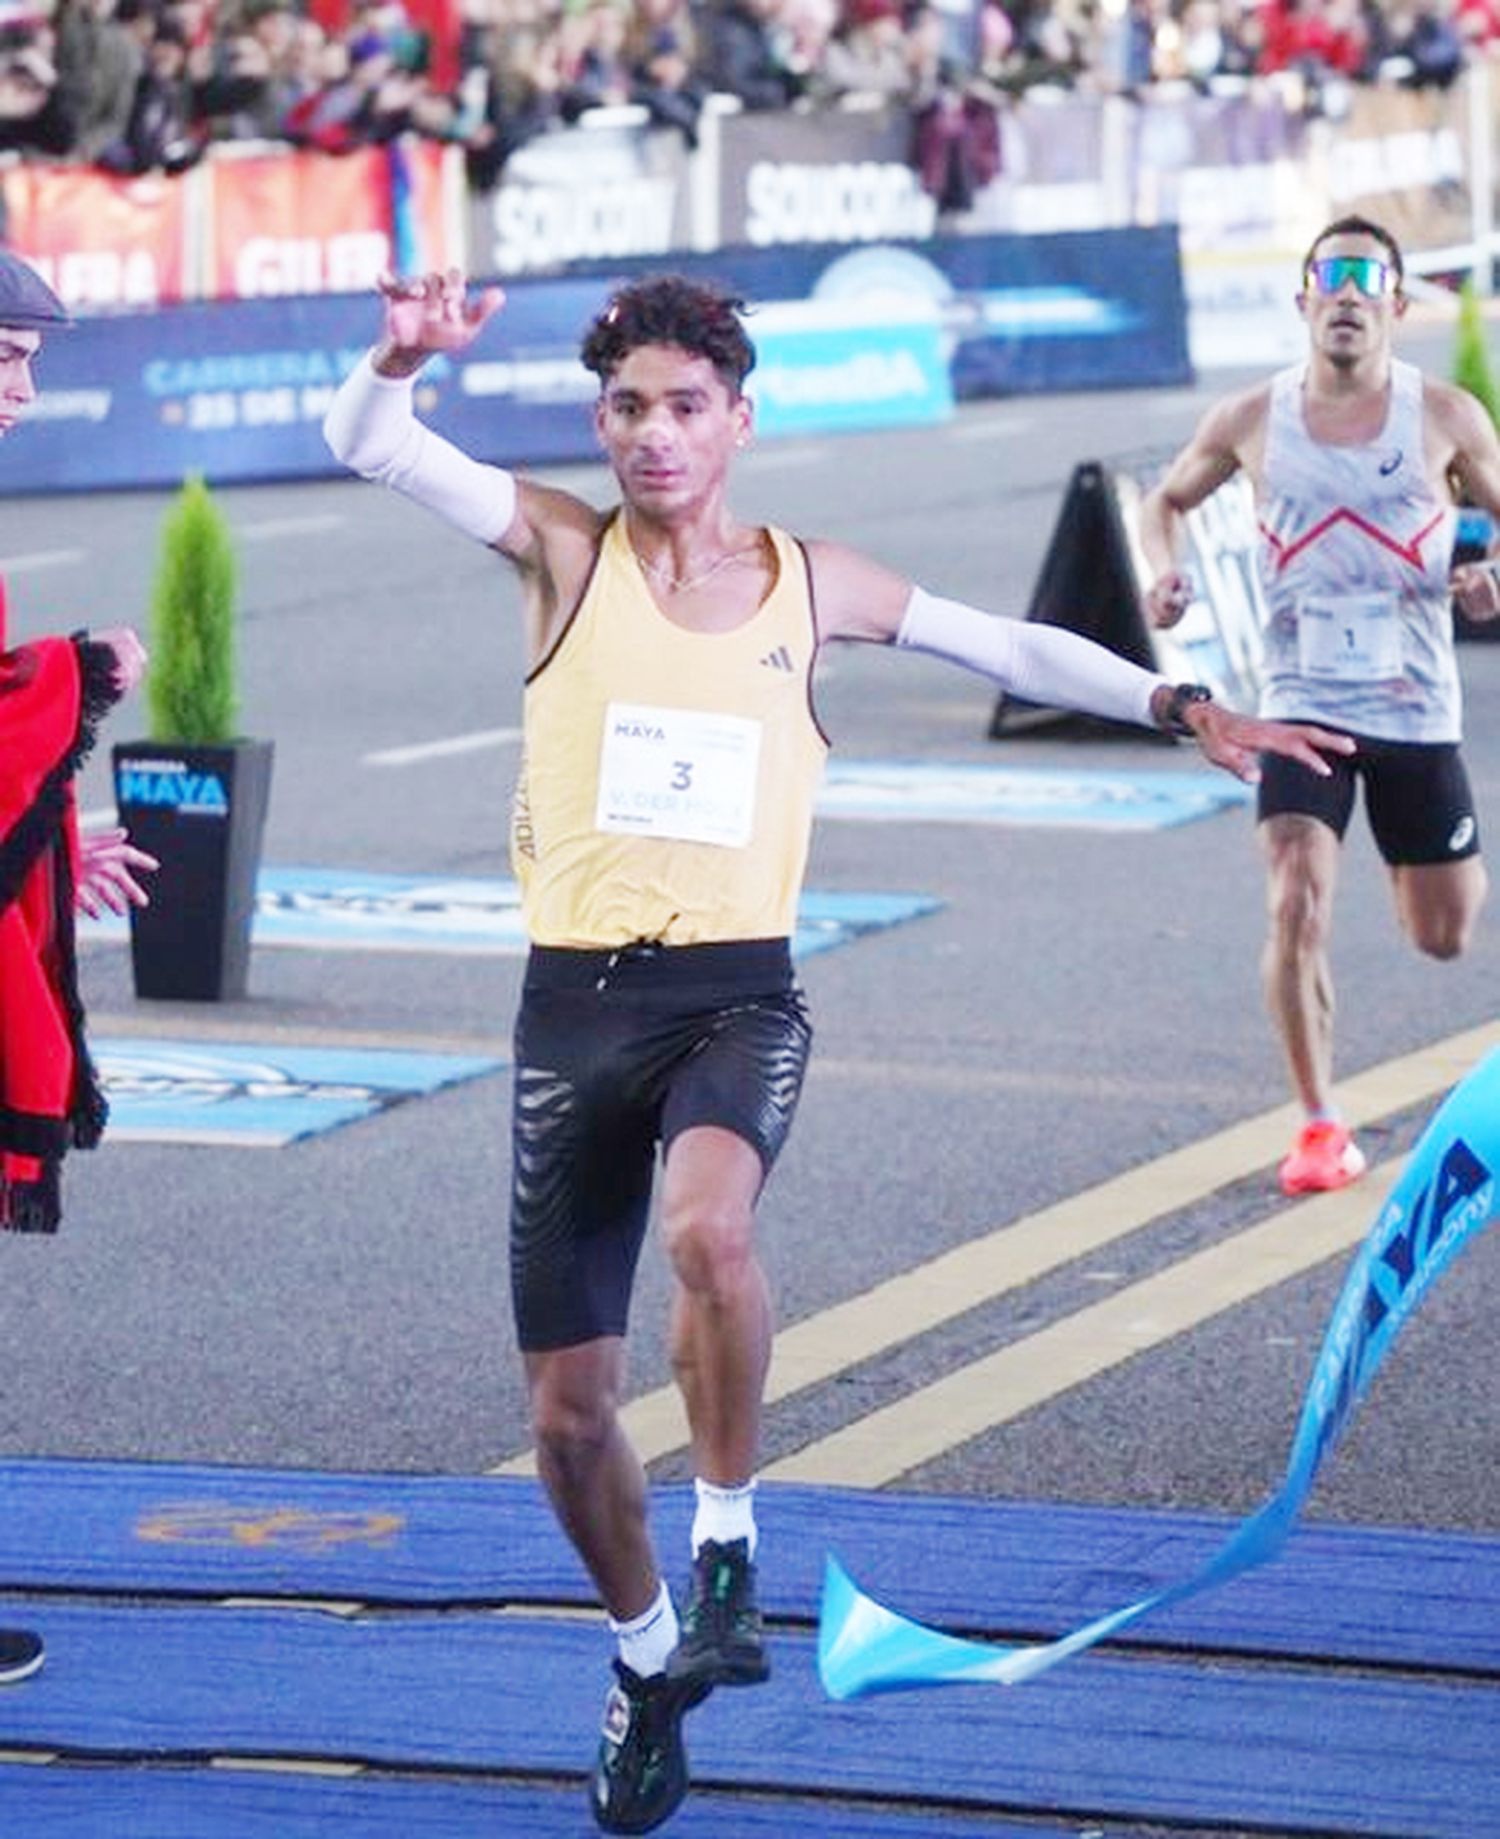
(912, 791)
(350, 910)
(263, 1096)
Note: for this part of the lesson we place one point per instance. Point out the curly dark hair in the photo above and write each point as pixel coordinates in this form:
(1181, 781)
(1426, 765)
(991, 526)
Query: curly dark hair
(695, 316)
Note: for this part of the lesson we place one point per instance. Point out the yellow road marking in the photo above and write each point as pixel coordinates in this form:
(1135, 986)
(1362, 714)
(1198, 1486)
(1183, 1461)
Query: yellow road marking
(986, 1393)
(812, 1351)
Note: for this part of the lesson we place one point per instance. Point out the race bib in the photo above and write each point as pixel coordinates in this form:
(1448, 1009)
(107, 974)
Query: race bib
(678, 773)
(1354, 638)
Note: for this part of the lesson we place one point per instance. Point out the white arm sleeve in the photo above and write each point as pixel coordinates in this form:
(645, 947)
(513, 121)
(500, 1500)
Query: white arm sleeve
(1038, 663)
(371, 427)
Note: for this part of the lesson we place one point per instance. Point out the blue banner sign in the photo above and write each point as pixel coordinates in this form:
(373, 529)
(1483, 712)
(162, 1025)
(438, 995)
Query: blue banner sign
(1445, 1196)
(883, 335)
(825, 365)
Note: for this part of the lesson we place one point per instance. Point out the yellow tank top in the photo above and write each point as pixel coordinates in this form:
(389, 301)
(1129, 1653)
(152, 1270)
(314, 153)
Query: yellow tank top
(668, 776)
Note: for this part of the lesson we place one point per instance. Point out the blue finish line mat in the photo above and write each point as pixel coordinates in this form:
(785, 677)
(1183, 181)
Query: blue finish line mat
(260, 1097)
(920, 791)
(1351, 1688)
(354, 910)
(521, 1696)
(102, 1802)
(1371, 1597)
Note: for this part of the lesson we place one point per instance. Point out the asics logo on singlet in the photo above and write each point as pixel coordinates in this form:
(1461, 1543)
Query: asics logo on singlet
(779, 659)
(1387, 467)
(1463, 835)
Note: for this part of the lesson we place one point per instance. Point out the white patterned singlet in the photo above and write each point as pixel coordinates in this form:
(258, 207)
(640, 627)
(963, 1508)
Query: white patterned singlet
(1354, 555)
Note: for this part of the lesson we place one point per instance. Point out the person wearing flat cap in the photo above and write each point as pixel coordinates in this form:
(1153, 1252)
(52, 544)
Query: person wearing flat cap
(53, 692)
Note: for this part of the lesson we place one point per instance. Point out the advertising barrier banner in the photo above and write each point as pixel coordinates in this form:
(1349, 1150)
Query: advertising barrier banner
(303, 223)
(821, 364)
(1402, 156)
(101, 241)
(245, 225)
(787, 180)
(275, 233)
(602, 193)
(1017, 314)
(1246, 175)
(229, 391)
(868, 337)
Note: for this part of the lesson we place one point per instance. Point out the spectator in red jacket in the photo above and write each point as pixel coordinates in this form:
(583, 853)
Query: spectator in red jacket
(53, 692)
(1312, 36)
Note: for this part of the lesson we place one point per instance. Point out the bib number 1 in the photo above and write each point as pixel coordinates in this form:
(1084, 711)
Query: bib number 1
(1351, 638)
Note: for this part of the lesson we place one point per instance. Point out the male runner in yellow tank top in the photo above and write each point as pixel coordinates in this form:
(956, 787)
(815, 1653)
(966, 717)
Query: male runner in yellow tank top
(660, 835)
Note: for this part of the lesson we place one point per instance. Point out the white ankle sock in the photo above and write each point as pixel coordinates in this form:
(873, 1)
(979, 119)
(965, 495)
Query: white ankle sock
(646, 1640)
(724, 1514)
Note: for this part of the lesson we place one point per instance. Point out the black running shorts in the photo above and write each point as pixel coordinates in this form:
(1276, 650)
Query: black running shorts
(616, 1052)
(1417, 797)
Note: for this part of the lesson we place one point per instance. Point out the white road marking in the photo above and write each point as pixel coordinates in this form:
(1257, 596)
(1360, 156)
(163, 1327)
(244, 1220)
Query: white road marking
(33, 561)
(444, 749)
(992, 427)
(315, 525)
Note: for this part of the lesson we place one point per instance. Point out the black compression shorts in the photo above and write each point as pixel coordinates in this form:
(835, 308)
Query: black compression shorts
(1417, 797)
(616, 1052)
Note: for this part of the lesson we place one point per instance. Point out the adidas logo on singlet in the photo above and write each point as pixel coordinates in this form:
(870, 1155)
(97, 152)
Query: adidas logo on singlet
(779, 659)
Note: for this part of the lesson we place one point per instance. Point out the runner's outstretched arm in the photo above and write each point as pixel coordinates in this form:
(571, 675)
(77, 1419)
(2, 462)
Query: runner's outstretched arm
(860, 599)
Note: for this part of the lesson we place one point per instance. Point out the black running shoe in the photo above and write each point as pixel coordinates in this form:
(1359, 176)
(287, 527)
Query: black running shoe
(721, 1642)
(641, 1775)
(21, 1653)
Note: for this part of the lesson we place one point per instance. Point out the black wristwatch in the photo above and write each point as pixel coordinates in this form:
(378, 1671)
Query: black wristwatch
(1173, 717)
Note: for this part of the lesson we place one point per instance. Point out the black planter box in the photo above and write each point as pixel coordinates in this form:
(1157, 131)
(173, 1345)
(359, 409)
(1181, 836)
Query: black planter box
(201, 811)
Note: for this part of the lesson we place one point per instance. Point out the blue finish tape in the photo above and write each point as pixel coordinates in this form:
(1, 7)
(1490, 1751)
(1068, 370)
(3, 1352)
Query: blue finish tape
(1445, 1196)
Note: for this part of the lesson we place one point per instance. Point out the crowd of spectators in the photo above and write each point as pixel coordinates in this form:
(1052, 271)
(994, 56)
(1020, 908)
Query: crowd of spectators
(137, 86)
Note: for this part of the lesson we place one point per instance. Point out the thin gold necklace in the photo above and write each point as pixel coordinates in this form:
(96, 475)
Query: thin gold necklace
(681, 586)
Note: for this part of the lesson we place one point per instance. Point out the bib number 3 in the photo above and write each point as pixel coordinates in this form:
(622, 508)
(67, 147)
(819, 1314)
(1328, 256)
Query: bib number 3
(681, 774)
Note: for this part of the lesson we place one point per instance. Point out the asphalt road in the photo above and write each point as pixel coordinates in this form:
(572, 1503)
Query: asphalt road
(1083, 1004)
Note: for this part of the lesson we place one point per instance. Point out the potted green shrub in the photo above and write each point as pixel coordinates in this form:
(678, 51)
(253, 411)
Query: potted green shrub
(195, 793)
(1472, 371)
(1471, 353)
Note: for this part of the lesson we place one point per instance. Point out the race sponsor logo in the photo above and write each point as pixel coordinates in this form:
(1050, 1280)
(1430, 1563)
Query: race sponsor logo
(540, 227)
(336, 910)
(247, 1526)
(897, 791)
(169, 784)
(847, 201)
(260, 1097)
(1407, 1249)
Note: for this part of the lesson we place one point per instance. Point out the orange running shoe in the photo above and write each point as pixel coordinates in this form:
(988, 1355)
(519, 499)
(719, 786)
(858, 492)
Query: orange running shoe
(1324, 1156)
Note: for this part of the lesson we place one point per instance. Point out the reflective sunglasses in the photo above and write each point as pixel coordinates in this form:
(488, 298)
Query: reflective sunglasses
(1371, 276)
